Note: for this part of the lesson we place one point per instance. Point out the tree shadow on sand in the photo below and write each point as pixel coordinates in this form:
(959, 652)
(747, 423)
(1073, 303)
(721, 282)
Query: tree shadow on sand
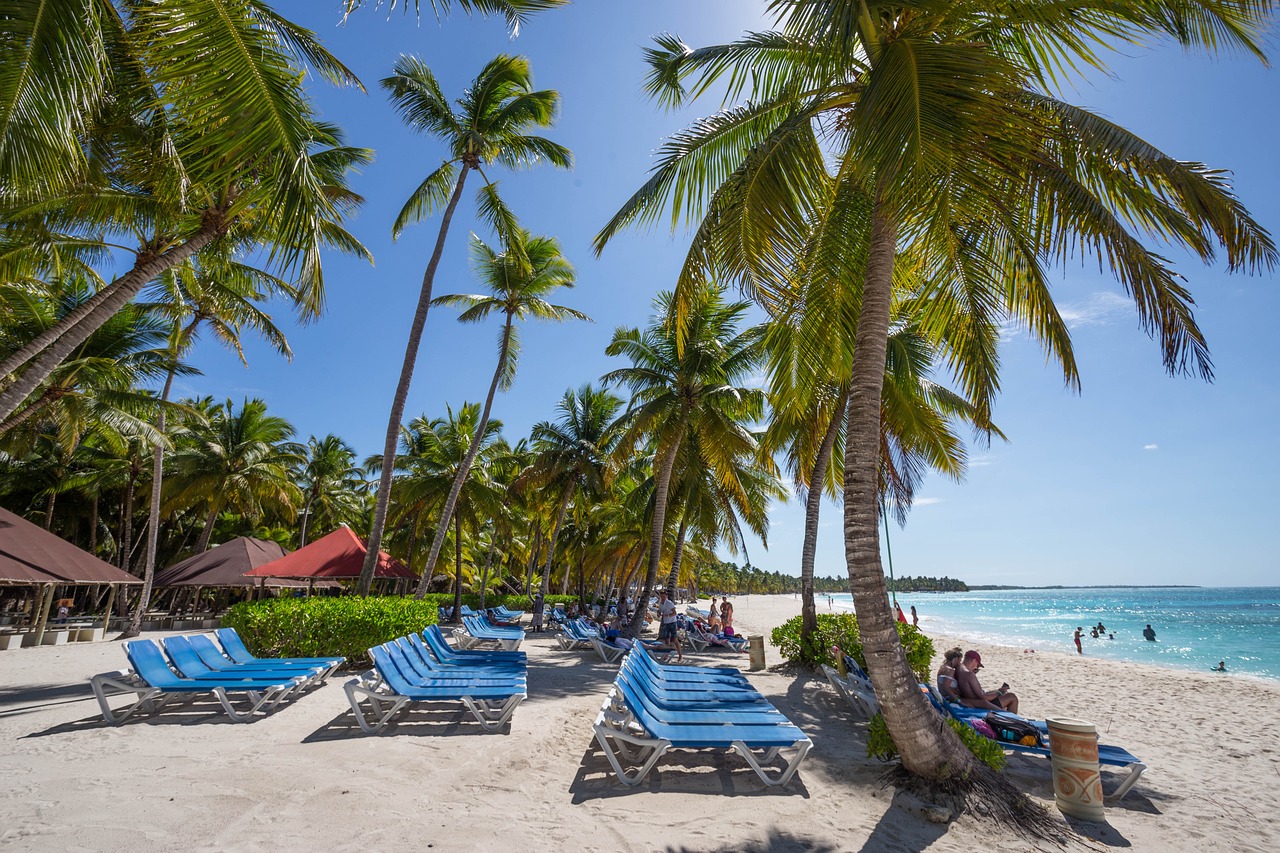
(778, 841)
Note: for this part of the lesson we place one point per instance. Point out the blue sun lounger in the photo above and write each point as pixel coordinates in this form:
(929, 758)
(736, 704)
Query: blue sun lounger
(632, 731)
(446, 653)
(479, 631)
(1108, 754)
(154, 685)
(189, 652)
(424, 664)
(236, 650)
(388, 691)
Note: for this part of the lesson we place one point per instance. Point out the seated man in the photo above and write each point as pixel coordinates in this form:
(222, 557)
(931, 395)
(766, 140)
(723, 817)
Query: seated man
(971, 692)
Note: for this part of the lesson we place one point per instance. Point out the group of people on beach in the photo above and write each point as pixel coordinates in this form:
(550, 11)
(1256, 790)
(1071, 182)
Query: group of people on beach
(958, 682)
(1100, 631)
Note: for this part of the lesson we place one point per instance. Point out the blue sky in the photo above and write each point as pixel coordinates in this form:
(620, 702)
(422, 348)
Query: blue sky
(1142, 478)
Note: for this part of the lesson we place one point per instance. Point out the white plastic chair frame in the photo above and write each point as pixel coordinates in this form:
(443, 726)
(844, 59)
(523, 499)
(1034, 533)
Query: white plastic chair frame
(151, 700)
(385, 706)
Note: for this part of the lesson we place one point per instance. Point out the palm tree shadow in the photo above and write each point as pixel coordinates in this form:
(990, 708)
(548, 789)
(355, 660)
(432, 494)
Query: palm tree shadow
(778, 841)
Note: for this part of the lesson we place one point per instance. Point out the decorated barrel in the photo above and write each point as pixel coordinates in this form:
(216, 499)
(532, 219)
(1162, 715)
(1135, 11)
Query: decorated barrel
(1077, 782)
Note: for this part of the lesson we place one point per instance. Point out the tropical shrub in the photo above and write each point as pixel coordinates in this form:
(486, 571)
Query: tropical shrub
(880, 743)
(325, 626)
(841, 629)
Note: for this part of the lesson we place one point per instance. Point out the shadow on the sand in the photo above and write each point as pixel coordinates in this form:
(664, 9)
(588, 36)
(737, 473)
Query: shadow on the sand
(422, 719)
(24, 699)
(202, 711)
(778, 841)
(717, 773)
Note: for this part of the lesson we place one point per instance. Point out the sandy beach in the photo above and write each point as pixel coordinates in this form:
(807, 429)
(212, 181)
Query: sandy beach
(306, 778)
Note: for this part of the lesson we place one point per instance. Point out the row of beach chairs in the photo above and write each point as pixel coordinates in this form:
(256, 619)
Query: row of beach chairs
(425, 668)
(189, 666)
(501, 614)
(653, 708)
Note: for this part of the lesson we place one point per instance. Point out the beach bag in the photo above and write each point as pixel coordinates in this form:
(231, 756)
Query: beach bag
(981, 727)
(1014, 730)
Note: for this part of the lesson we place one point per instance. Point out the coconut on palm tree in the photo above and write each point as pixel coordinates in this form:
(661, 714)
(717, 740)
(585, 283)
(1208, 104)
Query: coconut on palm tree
(490, 127)
(519, 280)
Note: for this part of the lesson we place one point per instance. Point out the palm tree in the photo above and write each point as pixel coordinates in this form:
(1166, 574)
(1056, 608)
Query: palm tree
(686, 393)
(938, 116)
(573, 455)
(491, 126)
(199, 132)
(220, 293)
(238, 460)
(519, 282)
(331, 482)
(435, 452)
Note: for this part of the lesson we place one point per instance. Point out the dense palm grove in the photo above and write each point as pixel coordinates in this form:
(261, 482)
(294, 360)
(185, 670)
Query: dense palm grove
(892, 184)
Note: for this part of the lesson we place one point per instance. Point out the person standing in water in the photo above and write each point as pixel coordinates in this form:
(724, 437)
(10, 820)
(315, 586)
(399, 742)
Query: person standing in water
(1149, 633)
(1079, 650)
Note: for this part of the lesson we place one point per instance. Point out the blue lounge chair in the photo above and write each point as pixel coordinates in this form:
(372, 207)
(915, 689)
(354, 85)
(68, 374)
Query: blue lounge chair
(443, 651)
(575, 634)
(211, 656)
(388, 691)
(236, 650)
(478, 631)
(1108, 754)
(642, 733)
(154, 685)
(425, 665)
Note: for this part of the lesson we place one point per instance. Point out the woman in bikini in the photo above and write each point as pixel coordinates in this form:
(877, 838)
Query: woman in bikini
(947, 684)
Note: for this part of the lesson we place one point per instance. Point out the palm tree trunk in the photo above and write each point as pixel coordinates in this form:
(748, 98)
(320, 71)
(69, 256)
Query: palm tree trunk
(53, 346)
(202, 544)
(48, 509)
(306, 516)
(661, 488)
(534, 548)
(46, 400)
(153, 517)
(484, 577)
(402, 394)
(928, 750)
(555, 536)
(464, 470)
(93, 525)
(674, 578)
(126, 547)
(808, 553)
(457, 569)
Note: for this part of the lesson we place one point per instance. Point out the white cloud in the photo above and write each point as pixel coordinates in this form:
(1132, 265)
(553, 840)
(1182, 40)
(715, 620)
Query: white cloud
(982, 461)
(1099, 310)
(926, 501)
(1150, 447)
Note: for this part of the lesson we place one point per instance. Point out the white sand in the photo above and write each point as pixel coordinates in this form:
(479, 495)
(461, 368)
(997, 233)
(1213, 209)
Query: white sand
(305, 778)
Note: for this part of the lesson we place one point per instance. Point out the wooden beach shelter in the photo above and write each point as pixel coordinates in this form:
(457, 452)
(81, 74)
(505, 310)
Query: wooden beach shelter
(338, 555)
(223, 567)
(32, 556)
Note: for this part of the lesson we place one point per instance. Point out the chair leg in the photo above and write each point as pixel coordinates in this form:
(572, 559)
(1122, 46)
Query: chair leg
(383, 707)
(492, 716)
(144, 697)
(801, 747)
(658, 747)
(1135, 770)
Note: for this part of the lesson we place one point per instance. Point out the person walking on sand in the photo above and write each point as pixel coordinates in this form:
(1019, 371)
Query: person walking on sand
(915, 617)
(1079, 650)
(668, 630)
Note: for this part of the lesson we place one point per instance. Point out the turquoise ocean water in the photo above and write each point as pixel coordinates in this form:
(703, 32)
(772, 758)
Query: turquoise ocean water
(1195, 628)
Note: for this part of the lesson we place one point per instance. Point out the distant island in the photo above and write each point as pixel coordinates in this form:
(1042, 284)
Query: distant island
(990, 587)
(902, 584)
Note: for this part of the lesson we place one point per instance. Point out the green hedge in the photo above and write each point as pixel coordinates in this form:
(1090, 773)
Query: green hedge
(842, 629)
(324, 626)
(880, 744)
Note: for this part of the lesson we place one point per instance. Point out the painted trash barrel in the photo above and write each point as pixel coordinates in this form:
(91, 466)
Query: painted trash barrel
(755, 648)
(1077, 778)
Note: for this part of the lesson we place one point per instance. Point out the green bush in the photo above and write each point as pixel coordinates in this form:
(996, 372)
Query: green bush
(841, 629)
(324, 626)
(880, 743)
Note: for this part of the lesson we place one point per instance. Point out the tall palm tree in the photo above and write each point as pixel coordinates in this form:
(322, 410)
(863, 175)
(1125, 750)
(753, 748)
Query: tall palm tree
(680, 393)
(939, 116)
(573, 455)
(491, 126)
(220, 293)
(238, 460)
(519, 281)
(331, 482)
(436, 452)
(199, 131)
